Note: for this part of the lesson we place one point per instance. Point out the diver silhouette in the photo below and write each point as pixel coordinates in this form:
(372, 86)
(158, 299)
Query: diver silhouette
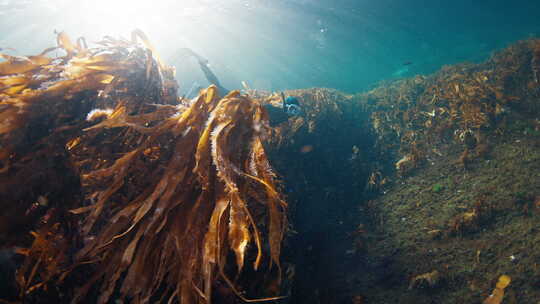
(291, 105)
(210, 76)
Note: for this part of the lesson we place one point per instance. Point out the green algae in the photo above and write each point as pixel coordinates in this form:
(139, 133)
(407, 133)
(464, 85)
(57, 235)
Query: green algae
(437, 188)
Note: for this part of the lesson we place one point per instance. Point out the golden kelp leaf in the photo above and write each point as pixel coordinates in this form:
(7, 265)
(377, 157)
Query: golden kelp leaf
(211, 243)
(116, 119)
(274, 203)
(202, 154)
(40, 59)
(239, 235)
(63, 41)
(211, 93)
(495, 297)
(497, 294)
(72, 143)
(503, 282)
(14, 89)
(15, 65)
(10, 81)
(160, 226)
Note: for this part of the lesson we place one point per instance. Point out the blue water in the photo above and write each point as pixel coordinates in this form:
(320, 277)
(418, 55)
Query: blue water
(349, 45)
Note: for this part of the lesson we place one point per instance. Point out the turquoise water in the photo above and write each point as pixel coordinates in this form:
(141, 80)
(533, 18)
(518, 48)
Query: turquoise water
(273, 45)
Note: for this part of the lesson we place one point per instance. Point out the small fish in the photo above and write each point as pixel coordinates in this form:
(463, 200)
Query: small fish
(407, 63)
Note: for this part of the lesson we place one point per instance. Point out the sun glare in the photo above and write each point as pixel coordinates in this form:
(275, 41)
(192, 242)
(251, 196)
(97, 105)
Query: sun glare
(122, 16)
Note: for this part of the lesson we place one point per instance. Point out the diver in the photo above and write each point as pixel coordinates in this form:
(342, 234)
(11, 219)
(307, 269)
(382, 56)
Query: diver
(290, 104)
(210, 76)
(290, 107)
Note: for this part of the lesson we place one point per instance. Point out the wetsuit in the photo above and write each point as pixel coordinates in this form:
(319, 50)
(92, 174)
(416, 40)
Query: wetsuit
(277, 115)
(210, 76)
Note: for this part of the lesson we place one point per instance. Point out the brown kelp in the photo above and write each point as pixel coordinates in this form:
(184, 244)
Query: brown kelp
(321, 106)
(466, 103)
(168, 187)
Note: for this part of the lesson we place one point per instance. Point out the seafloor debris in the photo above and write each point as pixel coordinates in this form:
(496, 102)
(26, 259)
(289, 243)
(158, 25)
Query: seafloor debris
(429, 279)
(376, 181)
(404, 162)
(470, 220)
(148, 195)
(409, 162)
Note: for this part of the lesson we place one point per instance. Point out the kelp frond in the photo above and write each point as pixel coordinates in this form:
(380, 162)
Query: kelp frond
(196, 206)
(169, 191)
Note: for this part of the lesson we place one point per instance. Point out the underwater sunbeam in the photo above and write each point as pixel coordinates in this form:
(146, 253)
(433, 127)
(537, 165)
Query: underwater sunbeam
(122, 16)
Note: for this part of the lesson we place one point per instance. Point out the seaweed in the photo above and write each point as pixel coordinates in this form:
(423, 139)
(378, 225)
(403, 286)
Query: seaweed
(166, 188)
(455, 103)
